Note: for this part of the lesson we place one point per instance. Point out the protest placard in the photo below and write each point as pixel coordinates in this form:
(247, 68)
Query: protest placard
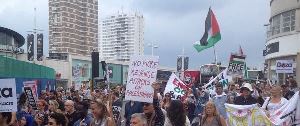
(33, 86)
(8, 95)
(236, 66)
(141, 74)
(190, 77)
(176, 87)
(30, 97)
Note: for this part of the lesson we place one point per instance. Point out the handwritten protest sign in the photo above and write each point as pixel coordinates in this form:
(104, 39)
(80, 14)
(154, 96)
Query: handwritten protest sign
(8, 95)
(141, 74)
(30, 97)
(176, 87)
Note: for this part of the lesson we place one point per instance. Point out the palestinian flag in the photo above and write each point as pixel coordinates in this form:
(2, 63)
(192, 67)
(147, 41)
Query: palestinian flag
(212, 33)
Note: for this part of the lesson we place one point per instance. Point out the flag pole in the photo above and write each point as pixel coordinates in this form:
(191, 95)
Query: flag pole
(215, 54)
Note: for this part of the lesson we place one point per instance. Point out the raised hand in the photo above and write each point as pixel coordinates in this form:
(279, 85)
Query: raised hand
(155, 86)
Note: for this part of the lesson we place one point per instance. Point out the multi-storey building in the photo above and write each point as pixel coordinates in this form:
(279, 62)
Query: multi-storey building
(121, 36)
(73, 26)
(283, 37)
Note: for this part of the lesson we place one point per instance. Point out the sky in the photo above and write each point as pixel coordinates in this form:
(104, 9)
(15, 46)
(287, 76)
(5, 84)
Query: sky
(173, 25)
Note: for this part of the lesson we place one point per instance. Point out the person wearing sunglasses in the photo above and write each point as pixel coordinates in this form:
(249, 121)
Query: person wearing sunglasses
(166, 101)
(153, 112)
(57, 119)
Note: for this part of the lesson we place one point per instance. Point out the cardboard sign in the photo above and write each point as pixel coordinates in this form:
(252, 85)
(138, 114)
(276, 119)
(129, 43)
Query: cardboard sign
(30, 97)
(8, 95)
(284, 66)
(141, 74)
(176, 87)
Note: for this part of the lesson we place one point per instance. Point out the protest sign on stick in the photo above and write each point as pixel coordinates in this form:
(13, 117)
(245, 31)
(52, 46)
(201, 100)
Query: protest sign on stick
(8, 95)
(141, 74)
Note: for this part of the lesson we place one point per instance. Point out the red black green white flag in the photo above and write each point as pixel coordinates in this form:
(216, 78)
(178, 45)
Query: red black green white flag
(211, 35)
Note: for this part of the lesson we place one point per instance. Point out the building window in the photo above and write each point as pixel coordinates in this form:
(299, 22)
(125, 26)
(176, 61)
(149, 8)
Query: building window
(284, 22)
(288, 21)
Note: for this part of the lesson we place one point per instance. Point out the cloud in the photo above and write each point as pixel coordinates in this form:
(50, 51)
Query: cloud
(174, 8)
(171, 24)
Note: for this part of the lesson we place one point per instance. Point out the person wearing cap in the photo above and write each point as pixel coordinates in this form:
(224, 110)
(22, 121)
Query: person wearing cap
(246, 98)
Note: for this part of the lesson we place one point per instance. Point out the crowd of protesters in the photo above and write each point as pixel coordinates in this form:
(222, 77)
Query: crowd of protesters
(103, 107)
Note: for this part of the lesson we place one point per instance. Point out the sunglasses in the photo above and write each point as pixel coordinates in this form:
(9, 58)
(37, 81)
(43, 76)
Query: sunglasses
(146, 104)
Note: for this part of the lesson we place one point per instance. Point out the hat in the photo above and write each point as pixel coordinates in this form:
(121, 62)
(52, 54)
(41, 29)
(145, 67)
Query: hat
(248, 86)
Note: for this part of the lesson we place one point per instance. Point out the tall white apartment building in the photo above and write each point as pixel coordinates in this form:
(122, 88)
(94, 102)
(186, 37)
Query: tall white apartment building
(121, 35)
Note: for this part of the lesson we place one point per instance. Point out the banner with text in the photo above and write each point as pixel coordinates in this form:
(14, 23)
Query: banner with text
(222, 78)
(141, 74)
(176, 87)
(284, 66)
(252, 115)
(8, 95)
(246, 115)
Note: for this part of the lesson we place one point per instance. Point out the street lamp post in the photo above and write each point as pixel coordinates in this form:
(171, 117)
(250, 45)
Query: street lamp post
(152, 47)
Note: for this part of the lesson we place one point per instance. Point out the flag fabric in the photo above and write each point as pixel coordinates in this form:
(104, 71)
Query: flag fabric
(211, 35)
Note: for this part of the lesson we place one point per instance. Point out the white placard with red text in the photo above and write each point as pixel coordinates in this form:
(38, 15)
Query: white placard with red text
(141, 74)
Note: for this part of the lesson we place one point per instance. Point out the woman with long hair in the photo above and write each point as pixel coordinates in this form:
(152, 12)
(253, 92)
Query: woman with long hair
(210, 117)
(101, 115)
(166, 101)
(53, 106)
(176, 115)
(274, 102)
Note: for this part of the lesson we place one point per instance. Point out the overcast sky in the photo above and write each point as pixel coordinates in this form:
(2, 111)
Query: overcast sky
(171, 24)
